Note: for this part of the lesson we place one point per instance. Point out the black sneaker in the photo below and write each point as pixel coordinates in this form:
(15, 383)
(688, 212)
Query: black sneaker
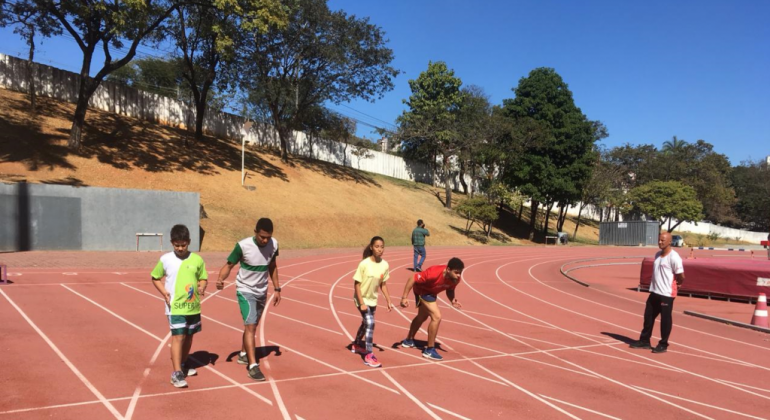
(256, 374)
(243, 359)
(660, 348)
(639, 344)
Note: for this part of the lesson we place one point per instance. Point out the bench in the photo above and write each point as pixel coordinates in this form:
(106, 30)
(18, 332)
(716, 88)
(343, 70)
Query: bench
(138, 234)
(555, 240)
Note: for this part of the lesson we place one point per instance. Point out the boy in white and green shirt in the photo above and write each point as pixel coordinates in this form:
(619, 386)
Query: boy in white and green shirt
(256, 257)
(185, 281)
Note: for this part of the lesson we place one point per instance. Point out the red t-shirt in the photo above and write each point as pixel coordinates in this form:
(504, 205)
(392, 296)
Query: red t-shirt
(432, 281)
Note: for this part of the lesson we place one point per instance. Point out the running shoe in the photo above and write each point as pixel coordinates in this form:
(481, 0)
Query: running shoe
(177, 379)
(660, 348)
(355, 348)
(371, 360)
(243, 359)
(431, 353)
(408, 343)
(188, 371)
(639, 344)
(256, 374)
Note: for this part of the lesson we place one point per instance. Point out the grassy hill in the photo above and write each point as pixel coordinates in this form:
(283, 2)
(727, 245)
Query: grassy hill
(313, 204)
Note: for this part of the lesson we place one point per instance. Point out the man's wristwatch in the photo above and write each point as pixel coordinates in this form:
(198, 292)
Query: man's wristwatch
(276, 289)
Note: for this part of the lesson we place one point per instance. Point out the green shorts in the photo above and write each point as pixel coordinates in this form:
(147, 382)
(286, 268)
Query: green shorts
(184, 324)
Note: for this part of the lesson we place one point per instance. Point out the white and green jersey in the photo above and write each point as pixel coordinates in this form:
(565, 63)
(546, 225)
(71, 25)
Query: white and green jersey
(253, 274)
(182, 278)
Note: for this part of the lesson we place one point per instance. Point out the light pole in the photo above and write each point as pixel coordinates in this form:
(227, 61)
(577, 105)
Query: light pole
(244, 131)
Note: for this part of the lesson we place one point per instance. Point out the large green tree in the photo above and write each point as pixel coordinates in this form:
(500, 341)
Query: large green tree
(751, 181)
(666, 201)
(320, 55)
(206, 33)
(554, 168)
(431, 121)
(113, 26)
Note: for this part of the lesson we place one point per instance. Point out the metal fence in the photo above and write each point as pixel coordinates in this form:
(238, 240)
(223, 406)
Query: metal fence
(639, 233)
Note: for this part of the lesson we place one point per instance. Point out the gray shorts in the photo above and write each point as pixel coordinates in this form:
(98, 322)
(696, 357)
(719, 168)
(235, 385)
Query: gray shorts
(251, 306)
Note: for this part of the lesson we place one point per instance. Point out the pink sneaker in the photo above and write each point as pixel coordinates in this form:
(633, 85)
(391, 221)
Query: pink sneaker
(355, 348)
(371, 360)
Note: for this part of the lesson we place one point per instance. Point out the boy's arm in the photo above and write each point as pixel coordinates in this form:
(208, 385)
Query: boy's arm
(158, 283)
(384, 288)
(273, 270)
(224, 272)
(450, 294)
(407, 288)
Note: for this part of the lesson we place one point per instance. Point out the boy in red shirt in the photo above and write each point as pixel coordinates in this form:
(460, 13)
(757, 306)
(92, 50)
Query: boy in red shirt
(427, 285)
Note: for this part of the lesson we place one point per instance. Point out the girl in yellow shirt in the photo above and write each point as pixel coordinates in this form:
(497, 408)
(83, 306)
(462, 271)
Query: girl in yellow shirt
(372, 274)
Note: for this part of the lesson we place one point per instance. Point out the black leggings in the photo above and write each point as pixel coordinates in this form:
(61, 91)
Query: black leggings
(657, 304)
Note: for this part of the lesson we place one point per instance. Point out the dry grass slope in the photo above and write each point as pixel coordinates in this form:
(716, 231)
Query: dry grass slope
(314, 204)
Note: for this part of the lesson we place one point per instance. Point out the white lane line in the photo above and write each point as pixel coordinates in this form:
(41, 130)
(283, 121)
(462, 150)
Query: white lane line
(508, 319)
(299, 378)
(649, 359)
(444, 410)
(700, 403)
(744, 364)
(556, 366)
(342, 371)
(410, 396)
(497, 273)
(64, 358)
(207, 366)
(114, 314)
(145, 374)
(308, 324)
(304, 303)
(580, 408)
(637, 315)
(744, 385)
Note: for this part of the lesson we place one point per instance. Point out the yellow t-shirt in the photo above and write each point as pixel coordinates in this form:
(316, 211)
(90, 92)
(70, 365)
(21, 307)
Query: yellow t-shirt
(370, 275)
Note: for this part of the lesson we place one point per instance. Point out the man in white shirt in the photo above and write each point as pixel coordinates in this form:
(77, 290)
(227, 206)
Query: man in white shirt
(667, 277)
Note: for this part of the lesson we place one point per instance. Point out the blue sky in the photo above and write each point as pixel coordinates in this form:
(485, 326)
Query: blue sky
(648, 70)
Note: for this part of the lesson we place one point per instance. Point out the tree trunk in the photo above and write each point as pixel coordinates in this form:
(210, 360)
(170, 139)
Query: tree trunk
(86, 88)
(617, 214)
(30, 70)
(561, 217)
(577, 225)
(532, 218)
(521, 208)
(200, 114)
(447, 184)
(547, 218)
(462, 177)
(284, 134)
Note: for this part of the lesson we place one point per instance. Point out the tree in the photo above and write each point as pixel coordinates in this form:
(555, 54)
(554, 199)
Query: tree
(555, 167)
(598, 190)
(113, 25)
(751, 181)
(432, 117)
(477, 210)
(320, 55)
(672, 146)
(476, 128)
(206, 34)
(666, 200)
(28, 21)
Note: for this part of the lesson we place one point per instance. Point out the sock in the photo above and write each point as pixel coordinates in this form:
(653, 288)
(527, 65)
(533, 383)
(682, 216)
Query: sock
(252, 365)
(243, 353)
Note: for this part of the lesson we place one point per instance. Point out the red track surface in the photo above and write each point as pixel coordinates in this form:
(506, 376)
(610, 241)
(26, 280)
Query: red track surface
(529, 343)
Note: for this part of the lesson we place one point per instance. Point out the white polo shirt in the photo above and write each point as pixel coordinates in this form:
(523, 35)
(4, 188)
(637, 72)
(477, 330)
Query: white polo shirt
(663, 273)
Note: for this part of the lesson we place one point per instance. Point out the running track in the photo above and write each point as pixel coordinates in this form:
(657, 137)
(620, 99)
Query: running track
(528, 343)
